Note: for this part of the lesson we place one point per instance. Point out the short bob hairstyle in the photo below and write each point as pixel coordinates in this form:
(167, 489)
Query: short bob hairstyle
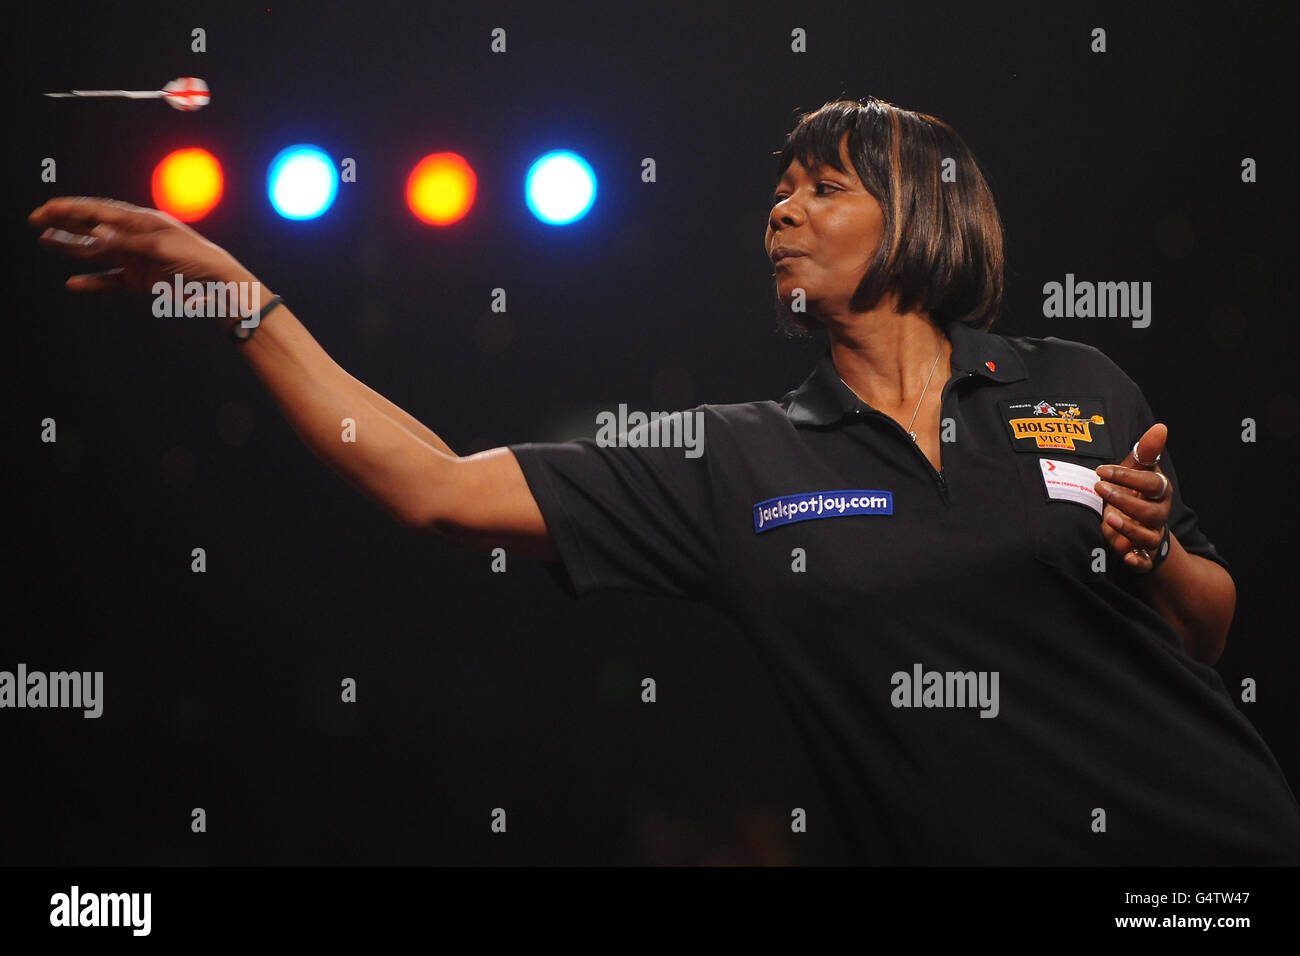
(941, 244)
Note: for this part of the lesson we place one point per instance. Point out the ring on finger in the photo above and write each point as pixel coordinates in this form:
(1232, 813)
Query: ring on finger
(1141, 463)
(1164, 488)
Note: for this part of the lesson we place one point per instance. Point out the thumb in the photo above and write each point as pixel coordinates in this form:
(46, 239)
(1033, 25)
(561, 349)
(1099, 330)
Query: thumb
(1151, 443)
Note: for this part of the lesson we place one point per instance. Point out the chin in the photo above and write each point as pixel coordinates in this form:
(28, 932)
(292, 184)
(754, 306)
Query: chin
(785, 292)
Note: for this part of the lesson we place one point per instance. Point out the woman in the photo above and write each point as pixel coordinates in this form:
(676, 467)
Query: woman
(997, 651)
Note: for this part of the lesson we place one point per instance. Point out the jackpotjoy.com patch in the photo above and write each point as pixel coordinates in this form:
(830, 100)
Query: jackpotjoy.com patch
(774, 512)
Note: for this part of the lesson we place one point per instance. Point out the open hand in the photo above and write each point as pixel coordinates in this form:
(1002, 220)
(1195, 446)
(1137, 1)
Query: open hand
(142, 246)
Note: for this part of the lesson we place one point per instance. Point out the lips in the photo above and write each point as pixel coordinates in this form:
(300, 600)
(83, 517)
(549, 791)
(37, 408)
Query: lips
(785, 253)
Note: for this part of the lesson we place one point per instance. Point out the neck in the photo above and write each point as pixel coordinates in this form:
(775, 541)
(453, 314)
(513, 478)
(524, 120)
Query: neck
(887, 359)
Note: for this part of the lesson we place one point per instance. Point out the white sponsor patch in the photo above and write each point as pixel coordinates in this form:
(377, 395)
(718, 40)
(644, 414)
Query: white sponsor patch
(1067, 481)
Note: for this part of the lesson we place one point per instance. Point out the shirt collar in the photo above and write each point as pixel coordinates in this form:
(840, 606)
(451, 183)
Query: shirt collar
(824, 399)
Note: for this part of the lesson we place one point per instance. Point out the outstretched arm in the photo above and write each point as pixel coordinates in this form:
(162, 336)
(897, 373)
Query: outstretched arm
(480, 501)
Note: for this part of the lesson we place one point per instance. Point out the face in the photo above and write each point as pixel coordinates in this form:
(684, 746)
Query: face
(830, 217)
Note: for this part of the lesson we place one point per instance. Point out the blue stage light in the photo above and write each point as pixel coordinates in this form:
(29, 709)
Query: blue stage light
(560, 187)
(302, 182)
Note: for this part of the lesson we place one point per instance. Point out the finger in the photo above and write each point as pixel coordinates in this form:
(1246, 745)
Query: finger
(1153, 514)
(1151, 444)
(100, 242)
(1137, 534)
(1134, 482)
(75, 244)
(1124, 548)
(88, 208)
(114, 239)
(1154, 445)
(111, 280)
(1117, 541)
(73, 211)
(1147, 483)
(1137, 562)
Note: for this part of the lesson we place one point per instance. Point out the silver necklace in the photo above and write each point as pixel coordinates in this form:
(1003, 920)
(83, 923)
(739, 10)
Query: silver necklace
(918, 401)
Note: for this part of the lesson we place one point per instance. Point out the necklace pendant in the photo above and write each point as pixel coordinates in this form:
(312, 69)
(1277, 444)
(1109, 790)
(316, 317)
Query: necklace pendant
(913, 434)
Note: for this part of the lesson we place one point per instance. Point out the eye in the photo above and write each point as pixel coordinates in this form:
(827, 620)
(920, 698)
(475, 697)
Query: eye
(777, 197)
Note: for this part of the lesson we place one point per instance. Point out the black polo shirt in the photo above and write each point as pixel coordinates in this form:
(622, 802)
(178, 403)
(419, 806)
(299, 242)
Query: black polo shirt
(971, 666)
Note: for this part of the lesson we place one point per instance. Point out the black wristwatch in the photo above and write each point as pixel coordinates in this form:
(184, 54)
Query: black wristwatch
(242, 333)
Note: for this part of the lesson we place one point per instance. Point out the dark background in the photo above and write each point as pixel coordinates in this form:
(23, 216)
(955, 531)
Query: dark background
(479, 690)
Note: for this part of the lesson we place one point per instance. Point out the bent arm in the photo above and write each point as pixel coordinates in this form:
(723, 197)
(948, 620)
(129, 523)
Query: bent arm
(1196, 596)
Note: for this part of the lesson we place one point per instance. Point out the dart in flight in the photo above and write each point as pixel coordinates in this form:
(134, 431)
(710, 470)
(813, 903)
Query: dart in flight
(186, 93)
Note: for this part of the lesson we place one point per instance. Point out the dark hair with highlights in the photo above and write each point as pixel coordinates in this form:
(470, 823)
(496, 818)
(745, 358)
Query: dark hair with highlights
(941, 245)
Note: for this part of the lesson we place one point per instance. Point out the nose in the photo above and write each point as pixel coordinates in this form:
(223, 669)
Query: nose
(782, 214)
